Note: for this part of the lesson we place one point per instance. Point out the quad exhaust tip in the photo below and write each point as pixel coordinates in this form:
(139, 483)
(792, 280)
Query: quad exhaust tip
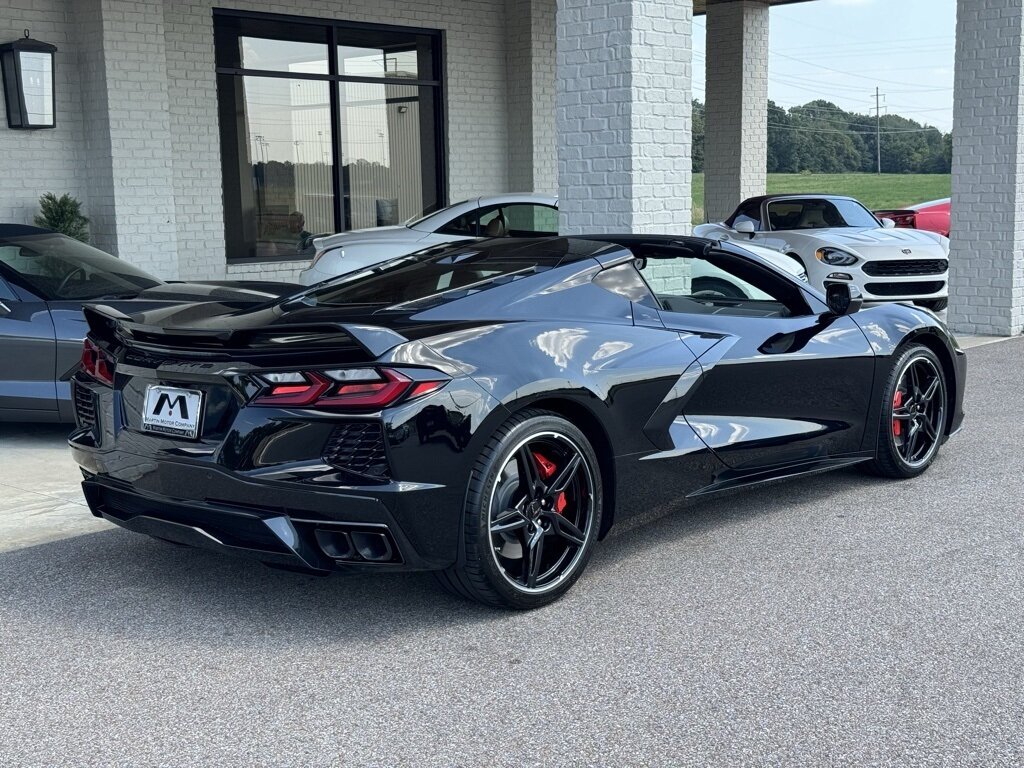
(356, 546)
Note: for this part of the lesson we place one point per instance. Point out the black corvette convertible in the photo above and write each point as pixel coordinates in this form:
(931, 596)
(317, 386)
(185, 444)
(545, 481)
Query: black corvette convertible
(489, 410)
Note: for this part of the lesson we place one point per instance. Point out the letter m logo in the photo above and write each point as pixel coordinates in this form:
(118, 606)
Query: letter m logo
(179, 402)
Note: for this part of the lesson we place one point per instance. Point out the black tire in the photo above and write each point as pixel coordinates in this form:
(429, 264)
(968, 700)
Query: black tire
(713, 287)
(935, 305)
(483, 574)
(898, 453)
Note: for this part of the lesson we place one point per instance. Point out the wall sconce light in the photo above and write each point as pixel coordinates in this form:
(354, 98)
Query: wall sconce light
(27, 67)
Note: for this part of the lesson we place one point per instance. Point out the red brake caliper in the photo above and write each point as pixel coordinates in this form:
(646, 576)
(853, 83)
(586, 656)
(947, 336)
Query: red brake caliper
(547, 471)
(897, 401)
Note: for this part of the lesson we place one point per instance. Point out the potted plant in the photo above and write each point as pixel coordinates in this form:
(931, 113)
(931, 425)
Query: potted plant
(63, 214)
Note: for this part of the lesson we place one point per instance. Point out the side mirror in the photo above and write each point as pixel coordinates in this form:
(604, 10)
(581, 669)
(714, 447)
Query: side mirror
(745, 228)
(888, 224)
(843, 298)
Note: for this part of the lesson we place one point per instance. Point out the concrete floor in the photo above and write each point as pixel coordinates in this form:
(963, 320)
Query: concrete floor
(833, 620)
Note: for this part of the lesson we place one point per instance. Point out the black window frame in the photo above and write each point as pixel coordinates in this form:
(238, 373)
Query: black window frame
(792, 295)
(742, 211)
(227, 114)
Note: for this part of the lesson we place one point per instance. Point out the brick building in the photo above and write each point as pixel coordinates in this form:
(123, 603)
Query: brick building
(205, 137)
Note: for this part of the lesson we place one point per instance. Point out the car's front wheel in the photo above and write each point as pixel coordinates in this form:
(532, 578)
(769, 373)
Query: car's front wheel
(935, 305)
(913, 415)
(533, 513)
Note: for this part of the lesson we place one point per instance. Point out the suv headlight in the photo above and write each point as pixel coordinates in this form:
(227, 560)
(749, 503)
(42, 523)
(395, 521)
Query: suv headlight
(835, 257)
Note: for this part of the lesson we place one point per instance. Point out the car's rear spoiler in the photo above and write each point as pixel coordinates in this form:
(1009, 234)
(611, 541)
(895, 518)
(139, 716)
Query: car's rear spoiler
(112, 326)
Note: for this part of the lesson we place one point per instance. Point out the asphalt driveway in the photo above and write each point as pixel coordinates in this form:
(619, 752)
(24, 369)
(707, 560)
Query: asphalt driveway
(832, 620)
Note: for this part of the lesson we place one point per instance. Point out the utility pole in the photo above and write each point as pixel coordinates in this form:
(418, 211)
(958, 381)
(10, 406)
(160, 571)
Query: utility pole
(878, 128)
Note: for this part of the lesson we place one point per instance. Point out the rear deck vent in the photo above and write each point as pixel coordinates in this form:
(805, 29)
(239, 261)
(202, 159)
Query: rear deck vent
(85, 406)
(358, 446)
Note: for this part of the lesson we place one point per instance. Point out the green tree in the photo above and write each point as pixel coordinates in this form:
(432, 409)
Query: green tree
(698, 136)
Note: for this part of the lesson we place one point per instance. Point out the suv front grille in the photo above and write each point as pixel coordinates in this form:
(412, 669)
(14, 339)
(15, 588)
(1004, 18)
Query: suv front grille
(85, 405)
(906, 268)
(358, 446)
(904, 289)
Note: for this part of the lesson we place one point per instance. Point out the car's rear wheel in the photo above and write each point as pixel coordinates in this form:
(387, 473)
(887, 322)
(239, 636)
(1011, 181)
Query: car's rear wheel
(935, 305)
(533, 512)
(913, 415)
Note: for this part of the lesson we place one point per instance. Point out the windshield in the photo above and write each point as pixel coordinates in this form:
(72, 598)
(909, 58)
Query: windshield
(819, 214)
(58, 267)
(431, 214)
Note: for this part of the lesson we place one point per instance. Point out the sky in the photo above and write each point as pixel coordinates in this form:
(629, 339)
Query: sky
(841, 50)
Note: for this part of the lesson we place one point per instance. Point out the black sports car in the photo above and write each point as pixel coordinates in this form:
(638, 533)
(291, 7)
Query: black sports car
(489, 410)
(45, 278)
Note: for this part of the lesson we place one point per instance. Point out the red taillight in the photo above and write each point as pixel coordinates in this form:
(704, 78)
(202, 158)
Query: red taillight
(304, 392)
(97, 363)
(356, 388)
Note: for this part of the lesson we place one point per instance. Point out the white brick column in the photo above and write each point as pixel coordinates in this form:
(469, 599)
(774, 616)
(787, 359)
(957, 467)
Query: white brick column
(530, 68)
(624, 115)
(987, 250)
(736, 113)
(127, 131)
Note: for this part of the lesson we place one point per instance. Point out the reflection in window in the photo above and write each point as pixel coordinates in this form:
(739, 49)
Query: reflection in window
(288, 142)
(342, 137)
(37, 82)
(284, 56)
(381, 152)
(374, 62)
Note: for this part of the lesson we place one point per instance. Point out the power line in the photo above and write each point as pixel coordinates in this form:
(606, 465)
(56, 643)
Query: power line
(837, 71)
(885, 131)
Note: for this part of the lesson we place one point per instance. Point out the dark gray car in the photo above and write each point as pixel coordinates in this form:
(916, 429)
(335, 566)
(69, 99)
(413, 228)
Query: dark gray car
(45, 278)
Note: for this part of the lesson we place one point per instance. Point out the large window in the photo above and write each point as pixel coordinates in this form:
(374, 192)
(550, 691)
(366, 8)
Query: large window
(325, 127)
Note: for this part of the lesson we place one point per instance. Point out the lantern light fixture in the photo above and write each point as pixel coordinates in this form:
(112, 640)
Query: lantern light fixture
(28, 75)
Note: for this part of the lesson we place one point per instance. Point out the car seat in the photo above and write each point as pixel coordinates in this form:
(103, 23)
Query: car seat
(813, 218)
(496, 227)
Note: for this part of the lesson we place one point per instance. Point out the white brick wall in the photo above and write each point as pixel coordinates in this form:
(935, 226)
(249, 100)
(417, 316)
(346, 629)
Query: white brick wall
(138, 120)
(476, 109)
(281, 271)
(138, 141)
(736, 137)
(987, 250)
(624, 115)
(530, 67)
(34, 162)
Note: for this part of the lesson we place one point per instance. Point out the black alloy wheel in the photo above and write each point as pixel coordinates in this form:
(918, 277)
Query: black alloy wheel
(533, 514)
(914, 415)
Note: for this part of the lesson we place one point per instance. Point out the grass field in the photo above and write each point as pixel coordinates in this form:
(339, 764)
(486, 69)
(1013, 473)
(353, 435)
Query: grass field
(886, 191)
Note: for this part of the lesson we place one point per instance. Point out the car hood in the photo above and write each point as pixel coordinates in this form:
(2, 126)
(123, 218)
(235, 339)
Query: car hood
(399, 233)
(860, 238)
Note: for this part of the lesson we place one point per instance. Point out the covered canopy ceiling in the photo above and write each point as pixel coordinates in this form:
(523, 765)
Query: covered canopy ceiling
(700, 6)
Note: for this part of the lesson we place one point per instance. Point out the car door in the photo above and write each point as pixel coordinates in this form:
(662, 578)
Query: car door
(783, 381)
(27, 356)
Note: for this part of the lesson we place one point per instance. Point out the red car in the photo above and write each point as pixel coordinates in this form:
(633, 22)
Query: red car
(933, 216)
